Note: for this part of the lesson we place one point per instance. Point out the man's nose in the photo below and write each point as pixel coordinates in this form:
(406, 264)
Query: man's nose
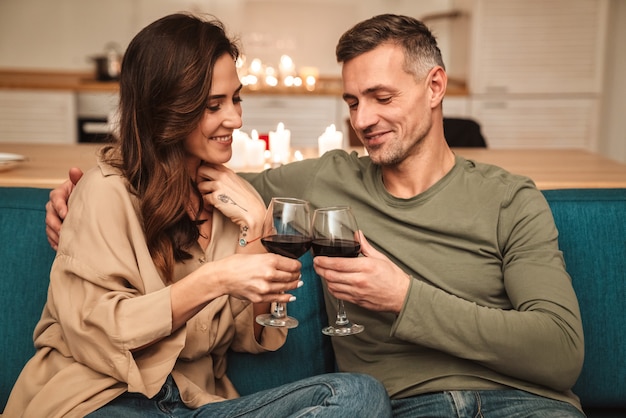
(363, 117)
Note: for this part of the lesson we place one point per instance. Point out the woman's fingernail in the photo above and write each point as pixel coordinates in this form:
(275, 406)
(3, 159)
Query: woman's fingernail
(300, 283)
(291, 299)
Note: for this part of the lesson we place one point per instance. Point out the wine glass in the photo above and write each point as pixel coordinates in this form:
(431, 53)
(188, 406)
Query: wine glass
(335, 235)
(286, 231)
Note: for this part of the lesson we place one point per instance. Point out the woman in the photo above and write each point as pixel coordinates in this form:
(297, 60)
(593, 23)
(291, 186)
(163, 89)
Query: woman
(152, 282)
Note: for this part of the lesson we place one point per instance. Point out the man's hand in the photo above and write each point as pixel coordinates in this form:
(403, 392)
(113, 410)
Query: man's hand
(373, 282)
(56, 208)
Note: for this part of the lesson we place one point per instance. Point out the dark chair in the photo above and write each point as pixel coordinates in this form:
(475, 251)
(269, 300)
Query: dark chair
(463, 133)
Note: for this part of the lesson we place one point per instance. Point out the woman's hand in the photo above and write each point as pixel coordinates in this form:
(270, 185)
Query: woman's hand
(259, 278)
(223, 189)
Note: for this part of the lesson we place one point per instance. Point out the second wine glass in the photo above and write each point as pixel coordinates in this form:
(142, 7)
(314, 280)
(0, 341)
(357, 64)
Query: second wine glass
(286, 231)
(335, 234)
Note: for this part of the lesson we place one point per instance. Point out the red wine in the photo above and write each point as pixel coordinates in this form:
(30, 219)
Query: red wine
(335, 248)
(292, 246)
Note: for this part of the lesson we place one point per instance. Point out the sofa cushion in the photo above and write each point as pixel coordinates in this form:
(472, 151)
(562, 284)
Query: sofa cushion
(24, 275)
(583, 218)
(307, 351)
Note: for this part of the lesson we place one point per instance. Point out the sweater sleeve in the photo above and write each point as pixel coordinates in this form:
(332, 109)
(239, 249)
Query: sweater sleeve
(540, 338)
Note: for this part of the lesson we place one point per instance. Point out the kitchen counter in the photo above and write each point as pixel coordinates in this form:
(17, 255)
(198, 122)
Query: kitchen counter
(47, 165)
(85, 82)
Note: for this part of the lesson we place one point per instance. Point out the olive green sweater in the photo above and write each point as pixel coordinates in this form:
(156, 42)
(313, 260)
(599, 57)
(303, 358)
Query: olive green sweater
(490, 305)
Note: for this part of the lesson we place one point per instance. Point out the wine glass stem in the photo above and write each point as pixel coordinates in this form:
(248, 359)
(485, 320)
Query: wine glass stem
(342, 317)
(279, 310)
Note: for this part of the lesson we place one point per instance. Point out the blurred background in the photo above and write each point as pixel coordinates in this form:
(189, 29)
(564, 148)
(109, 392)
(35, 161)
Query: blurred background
(533, 73)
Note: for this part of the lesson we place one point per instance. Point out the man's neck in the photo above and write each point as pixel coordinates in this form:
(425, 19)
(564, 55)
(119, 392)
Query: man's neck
(418, 172)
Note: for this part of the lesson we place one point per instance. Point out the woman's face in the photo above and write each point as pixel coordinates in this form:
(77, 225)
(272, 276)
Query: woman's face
(212, 138)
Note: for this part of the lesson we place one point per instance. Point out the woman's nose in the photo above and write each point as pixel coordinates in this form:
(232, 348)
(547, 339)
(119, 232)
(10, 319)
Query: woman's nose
(233, 118)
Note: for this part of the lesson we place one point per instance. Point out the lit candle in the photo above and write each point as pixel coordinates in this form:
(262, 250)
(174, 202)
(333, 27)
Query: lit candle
(330, 139)
(255, 150)
(280, 144)
(286, 70)
(286, 65)
(238, 158)
(309, 77)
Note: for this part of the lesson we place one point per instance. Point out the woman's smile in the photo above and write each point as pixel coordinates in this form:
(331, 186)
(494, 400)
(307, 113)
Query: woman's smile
(227, 138)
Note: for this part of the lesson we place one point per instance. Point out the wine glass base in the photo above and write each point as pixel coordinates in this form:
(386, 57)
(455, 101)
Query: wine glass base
(269, 320)
(342, 331)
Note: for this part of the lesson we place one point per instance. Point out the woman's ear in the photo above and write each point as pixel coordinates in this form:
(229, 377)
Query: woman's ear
(437, 82)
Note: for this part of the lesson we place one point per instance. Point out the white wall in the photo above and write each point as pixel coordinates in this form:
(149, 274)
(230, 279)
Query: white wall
(62, 34)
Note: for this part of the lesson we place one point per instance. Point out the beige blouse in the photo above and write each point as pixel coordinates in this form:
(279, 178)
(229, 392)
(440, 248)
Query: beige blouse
(106, 299)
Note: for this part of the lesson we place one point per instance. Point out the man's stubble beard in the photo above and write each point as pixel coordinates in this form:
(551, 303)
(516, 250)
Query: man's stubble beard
(385, 157)
(394, 154)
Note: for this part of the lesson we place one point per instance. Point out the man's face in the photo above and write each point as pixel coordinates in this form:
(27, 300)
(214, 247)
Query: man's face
(389, 109)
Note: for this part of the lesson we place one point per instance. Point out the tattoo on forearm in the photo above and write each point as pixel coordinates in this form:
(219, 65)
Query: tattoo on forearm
(227, 199)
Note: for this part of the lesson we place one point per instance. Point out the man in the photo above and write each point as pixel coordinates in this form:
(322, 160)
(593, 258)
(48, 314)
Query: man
(467, 307)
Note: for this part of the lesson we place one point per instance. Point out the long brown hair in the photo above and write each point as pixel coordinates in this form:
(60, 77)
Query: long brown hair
(165, 82)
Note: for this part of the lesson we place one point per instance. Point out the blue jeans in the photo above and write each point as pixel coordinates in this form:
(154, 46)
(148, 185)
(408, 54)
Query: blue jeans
(482, 403)
(328, 395)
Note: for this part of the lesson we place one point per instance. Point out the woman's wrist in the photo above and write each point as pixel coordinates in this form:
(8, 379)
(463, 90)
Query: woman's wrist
(247, 237)
(251, 226)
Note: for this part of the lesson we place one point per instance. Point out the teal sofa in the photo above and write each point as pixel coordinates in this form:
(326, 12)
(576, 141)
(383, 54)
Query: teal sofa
(592, 225)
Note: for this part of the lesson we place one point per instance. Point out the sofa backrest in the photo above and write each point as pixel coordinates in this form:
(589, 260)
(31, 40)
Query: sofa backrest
(25, 260)
(592, 228)
(592, 236)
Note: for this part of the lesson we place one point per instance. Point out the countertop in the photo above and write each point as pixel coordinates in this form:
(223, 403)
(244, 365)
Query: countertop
(47, 165)
(85, 82)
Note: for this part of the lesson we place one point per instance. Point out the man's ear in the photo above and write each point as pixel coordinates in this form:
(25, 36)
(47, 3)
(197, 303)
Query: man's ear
(437, 82)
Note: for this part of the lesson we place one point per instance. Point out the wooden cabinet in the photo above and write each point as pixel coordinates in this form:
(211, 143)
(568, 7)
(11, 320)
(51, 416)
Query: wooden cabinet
(538, 46)
(34, 116)
(538, 123)
(537, 71)
(456, 107)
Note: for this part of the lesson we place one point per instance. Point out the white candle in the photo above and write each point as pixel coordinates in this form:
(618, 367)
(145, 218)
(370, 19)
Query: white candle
(255, 150)
(330, 139)
(280, 144)
(238, 158)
